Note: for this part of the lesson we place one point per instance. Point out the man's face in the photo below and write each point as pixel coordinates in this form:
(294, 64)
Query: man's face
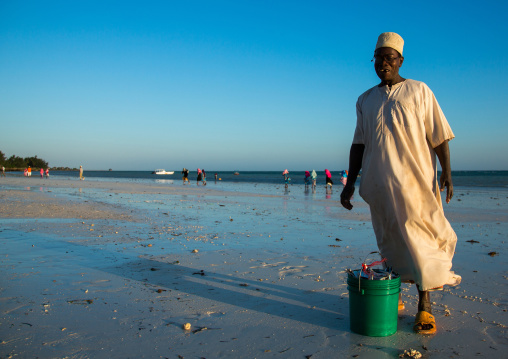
(387, 63)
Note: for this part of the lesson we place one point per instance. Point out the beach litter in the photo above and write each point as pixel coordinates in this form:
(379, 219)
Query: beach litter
(411, 353)
(80, 301)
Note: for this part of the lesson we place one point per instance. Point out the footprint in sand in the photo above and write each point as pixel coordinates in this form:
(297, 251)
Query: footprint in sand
(290, 270)
(268, 265)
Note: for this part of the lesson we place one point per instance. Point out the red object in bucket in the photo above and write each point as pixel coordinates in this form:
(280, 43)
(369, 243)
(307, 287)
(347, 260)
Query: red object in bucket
(366, 266)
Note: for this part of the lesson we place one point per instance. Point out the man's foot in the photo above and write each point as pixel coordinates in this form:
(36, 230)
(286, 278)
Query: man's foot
(425, 323)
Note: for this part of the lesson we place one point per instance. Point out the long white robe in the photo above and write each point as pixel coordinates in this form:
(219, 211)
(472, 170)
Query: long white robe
(400, 127)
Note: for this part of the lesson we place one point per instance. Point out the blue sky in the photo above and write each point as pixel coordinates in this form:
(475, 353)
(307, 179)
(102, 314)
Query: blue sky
(237, 85)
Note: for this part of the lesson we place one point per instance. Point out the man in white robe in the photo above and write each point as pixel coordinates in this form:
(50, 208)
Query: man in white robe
(400, 130)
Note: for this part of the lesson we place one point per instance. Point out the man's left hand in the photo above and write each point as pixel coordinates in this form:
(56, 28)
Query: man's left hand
(443, 154)
(446, 181)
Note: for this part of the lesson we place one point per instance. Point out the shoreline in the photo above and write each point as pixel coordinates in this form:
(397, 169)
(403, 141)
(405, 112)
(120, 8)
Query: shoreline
(462, 179)
(267, 279)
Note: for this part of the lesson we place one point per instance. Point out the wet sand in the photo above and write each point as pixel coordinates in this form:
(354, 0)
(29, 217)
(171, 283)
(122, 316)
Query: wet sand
(95, 269)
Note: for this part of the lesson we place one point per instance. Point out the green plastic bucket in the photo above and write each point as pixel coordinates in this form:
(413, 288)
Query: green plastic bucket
(373, 306)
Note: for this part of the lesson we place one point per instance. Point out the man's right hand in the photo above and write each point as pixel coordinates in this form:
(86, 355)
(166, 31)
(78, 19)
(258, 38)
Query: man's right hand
(345, 196)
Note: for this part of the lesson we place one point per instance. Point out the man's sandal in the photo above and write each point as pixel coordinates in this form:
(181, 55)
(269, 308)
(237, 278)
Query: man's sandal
(422, 319)
(401, 305)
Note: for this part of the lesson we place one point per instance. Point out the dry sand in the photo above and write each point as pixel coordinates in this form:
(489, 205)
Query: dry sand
(115, 270)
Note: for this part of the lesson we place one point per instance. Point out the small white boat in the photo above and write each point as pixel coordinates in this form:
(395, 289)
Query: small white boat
(162, 172)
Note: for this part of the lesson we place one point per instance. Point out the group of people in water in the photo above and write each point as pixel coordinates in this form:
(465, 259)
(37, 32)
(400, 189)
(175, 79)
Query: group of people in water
(201, 176)
(28, 172)
(310, 179)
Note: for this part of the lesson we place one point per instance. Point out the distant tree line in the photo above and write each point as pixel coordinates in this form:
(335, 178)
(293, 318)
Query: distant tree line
(20, 162)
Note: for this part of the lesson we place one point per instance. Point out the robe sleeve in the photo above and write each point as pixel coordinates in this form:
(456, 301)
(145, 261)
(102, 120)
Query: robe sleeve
(358, 136)
(436, 126)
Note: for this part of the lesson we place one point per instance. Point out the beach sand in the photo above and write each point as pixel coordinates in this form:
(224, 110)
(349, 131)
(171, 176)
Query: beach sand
(95, 269)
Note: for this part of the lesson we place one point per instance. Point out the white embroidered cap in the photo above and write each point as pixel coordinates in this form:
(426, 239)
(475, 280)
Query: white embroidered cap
(390, 39)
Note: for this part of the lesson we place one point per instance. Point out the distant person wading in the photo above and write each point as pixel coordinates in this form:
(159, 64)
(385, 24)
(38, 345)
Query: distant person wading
(185, 175)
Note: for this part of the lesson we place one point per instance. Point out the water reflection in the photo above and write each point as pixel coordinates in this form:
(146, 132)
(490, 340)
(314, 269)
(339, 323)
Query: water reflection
(164, 181)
